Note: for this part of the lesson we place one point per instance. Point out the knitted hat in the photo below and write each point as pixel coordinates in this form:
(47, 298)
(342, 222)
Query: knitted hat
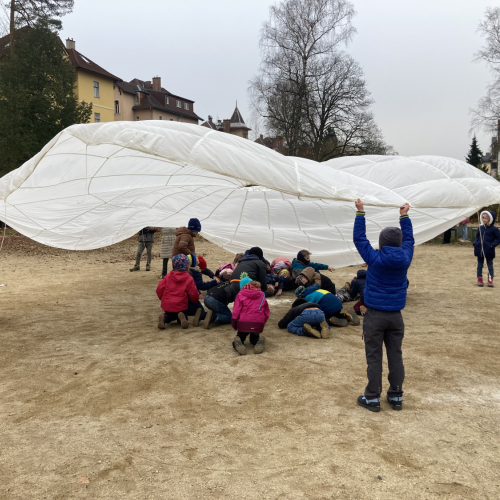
(194, 225)
(202, 263)
(257, 251)
(180, 262)
(192, 260)
(244, 282)
(300, 291)
(390, 237)
(284, 273)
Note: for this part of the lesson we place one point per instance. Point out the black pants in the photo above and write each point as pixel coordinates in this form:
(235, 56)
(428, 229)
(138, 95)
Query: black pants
(447, 237)
(190, 311)
(327, 284)
(379, 328)
(254, 337)
(164, 270)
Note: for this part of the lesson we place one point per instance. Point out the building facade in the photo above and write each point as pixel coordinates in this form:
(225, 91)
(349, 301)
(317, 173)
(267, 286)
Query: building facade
(234, 126)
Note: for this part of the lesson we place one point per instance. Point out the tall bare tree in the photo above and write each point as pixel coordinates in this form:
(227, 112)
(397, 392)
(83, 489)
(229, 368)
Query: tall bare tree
(308, 90)
(32, 12)
(487, 112)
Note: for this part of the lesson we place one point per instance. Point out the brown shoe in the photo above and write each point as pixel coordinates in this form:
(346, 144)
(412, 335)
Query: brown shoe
(208, 319)
(310, 331)
(347, 285)
(196, 319)
(239, 346)
(161, 321)
(136, 268)
(338, 321)
(325, 330)
(183, 320)
(260, 345)
(352, 317)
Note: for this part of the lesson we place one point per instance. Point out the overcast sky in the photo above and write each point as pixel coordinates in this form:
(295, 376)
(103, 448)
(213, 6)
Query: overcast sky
(417, 57)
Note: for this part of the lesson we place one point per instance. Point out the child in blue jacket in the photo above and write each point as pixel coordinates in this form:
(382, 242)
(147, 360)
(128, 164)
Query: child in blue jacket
(384, 296)
(487, 238)
(196, 272)
(303, 260)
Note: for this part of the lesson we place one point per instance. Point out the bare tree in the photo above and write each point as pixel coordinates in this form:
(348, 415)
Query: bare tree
(308, 90)
(487, 112)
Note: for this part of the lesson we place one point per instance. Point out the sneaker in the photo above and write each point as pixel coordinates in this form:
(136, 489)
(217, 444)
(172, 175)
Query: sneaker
(197, 315)
(325, 330)
(490, 282)
(260, 345)
(136, 268)
(352, 317)
(183, 320)
(338, 321)
(373, 406)
(161, 321)
(347, 286)
(397, 404)
(208, 319)
(479, 280)
(239, 346)
(309, 331)
(148, 268)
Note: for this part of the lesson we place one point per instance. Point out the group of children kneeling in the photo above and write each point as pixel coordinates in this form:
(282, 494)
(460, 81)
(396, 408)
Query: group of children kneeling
(247, 281)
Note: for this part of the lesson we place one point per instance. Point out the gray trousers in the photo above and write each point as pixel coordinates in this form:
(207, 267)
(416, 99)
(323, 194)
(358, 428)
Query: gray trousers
(149, 247)
(379, 328)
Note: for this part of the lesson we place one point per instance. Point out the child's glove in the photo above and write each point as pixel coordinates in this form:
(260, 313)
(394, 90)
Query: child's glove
(300, 291)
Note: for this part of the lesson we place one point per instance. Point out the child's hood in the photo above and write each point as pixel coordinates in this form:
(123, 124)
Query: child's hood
(491, 216)
(394, 257)
(178, 277)
(251, 294)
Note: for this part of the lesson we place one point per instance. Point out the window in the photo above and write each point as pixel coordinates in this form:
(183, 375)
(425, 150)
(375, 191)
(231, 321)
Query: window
(117, 107)
(96, 89)
(167, 100)
(161, 118)
(186, 105)
(137, 98)
(97, 117)
(179, 104)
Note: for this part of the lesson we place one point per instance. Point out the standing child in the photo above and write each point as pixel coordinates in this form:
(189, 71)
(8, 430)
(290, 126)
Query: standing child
(250, 314)
(487, 238)
(179, 296)
(385, 296)
(146, 240)
(167, 245)
(464, 228)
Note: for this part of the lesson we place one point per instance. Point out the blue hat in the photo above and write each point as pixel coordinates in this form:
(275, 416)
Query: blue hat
(244, 282)
(194, 225)
(300, 291)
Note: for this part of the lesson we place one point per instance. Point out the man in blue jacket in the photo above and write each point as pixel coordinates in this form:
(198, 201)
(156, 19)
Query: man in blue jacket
(385, 297)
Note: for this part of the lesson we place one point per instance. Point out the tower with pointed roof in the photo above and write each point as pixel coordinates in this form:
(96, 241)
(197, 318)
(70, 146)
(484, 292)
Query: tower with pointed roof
(235, 125)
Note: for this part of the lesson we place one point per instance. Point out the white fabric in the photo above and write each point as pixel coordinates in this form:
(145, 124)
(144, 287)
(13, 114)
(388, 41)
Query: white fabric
(94, 185)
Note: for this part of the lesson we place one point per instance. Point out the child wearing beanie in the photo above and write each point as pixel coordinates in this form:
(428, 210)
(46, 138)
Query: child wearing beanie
(179, 295)
(250, 314)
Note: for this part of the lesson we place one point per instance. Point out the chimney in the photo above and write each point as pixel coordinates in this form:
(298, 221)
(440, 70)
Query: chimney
(210, 120)
(227, 126)
(70, 43)
(157, 83)
(261, 137)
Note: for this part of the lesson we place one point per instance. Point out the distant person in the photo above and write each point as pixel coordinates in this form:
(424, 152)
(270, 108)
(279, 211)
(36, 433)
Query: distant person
(167, 245)
(464, 228)
(385, 297)
(184, 241)
(303, 260)
(146, 240)
(447, 236)
(487, 238)
(250, 314)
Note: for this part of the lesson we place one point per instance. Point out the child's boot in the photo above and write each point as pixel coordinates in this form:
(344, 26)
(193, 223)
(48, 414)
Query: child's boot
(338, 321)
(310, 331)
(239, 346)
(352, 317)
(148, 267)
(161, 321)
(208, 318)
(260, 345)
(197, 315)
(136, 268)
(325, 330)
(490, 282)
(479, 280)
(183, 320)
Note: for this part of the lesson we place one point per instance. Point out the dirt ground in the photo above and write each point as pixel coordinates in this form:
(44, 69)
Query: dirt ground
(97, 403)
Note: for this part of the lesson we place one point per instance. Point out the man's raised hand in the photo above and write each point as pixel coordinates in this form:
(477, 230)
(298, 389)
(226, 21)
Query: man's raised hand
(359, 206)
(404, 209)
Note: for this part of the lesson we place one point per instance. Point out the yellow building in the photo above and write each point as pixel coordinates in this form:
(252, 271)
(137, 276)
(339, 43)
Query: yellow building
(94, 85)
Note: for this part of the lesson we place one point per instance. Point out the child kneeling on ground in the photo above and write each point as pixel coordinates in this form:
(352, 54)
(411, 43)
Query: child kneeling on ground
(250, 314)
(179, 295)
(306, 319)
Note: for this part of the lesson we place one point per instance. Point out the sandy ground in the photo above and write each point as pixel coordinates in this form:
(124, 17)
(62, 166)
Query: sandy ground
(97, 403)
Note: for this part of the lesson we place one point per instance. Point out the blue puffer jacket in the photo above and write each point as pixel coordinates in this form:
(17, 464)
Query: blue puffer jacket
(386, 280)
(358, 285)
(490, 236)
(326, 301)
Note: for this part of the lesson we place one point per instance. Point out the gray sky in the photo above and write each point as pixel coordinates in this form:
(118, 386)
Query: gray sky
(417, 58)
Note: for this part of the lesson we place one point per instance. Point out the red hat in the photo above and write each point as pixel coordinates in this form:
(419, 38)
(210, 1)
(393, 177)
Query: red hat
(202, 264)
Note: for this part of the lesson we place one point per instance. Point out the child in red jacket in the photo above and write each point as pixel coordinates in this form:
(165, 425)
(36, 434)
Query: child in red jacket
(179, 295)
(250, 314)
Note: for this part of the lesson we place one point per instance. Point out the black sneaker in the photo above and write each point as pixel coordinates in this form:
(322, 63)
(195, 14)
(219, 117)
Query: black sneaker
(396, 405)
(369, 406)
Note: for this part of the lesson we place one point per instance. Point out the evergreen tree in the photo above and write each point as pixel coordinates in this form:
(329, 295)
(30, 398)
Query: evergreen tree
(475, 155)
(37, 97)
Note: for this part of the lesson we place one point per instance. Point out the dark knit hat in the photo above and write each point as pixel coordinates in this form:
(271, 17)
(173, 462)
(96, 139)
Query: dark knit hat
(194, 225)
(257, 251)
(390, 237)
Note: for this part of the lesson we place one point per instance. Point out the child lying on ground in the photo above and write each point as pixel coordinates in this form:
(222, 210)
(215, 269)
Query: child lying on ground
(308, 276)
(310, 322)
(329, 303)
(198, 266)
(179, 295)
(280, 263)
(216, 300)
(228, 266)
(303, 260)
(351, 291)
(250, 314)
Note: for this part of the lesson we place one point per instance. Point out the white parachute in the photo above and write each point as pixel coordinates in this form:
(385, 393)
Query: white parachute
(96, 184)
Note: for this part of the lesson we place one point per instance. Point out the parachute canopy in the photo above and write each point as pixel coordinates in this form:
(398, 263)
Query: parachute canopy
(96, 184)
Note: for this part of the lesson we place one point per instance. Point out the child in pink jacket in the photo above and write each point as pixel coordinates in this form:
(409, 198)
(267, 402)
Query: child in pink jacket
(250, 314)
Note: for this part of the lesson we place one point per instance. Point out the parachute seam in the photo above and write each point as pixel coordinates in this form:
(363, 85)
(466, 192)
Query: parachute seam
(269, 221)
(241, 215)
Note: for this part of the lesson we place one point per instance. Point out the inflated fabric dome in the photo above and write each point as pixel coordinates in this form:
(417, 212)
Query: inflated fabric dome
(96, 184)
